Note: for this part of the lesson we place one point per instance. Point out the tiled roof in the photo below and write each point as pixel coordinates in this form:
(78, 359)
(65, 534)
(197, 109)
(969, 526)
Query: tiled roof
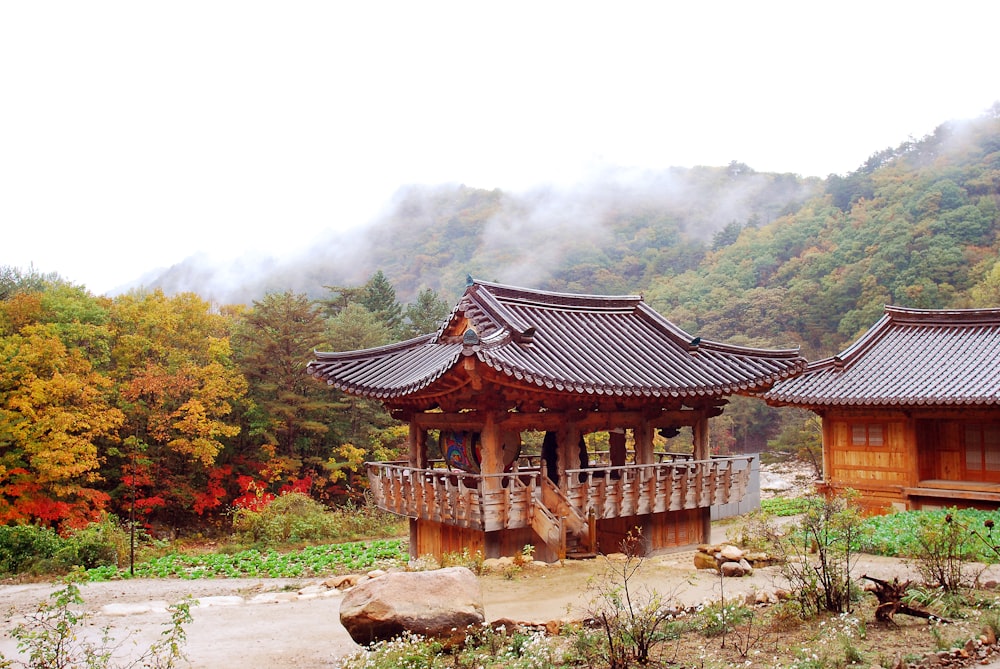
(910, 357)
(587, 344)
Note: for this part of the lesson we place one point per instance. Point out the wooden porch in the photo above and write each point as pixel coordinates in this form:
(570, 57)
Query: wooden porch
(565, 518)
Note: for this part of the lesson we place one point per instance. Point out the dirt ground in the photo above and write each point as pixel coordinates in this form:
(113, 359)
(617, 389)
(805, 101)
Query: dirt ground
(265, 623)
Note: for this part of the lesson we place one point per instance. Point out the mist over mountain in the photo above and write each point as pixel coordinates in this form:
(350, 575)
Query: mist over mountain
(725, 252)
(433, 236)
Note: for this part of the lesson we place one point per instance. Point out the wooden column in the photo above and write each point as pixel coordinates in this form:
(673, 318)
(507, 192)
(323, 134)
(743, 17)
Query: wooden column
(643, 435)
(912, 457)
(491, 442)
(828, 447)
(417, 441)
(701, 452)
(495, 498)
(700, 435)
(417, 457)
(569, 451)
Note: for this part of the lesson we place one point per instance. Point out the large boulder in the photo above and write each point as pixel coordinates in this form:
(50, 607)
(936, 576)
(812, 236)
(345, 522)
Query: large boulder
(439, 603)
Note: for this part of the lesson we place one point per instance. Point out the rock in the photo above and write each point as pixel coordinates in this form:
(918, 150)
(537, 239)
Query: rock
(773, 483)
(157, 606)
(747, 569)
(732, 569)
(759, 559)
(375, 573)
(274, 597)
(219, 600)
(440, 603)
(705, 561)
(343, 582)
(313, 590)
(731, 553)
(505, 625)
(491, 564)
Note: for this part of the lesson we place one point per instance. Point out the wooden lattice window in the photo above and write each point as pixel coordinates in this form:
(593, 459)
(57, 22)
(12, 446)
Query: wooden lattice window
(867, 434)
(982, 447)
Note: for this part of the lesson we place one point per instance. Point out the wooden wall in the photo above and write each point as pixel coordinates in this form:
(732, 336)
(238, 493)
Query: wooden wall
(921, 450)
(869, 465)
(660, 531)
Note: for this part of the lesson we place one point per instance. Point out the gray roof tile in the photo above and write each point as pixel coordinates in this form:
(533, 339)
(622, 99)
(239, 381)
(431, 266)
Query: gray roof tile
(584, 344)
(910, 357)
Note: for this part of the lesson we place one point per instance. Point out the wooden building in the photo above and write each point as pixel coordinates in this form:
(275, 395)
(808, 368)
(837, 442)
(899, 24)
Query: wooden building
(510, 363)
(911, 411)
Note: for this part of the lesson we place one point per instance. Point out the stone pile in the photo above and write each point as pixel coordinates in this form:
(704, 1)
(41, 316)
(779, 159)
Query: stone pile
(730, 560)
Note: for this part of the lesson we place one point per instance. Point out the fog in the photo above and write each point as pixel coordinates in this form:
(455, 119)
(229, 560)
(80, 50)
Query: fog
(520, 238)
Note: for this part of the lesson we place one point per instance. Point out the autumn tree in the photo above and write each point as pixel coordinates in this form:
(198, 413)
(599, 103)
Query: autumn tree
(55, 408)
(177, 387)
(53, 412)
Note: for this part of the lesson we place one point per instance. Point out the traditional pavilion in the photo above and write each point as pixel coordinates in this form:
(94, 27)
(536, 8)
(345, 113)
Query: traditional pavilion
(509, 362)
(911, 411)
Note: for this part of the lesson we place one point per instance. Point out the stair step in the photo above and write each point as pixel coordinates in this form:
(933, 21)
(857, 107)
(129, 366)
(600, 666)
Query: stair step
(580, 555)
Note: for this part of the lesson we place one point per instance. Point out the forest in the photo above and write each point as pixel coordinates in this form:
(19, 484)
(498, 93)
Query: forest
(177, 405)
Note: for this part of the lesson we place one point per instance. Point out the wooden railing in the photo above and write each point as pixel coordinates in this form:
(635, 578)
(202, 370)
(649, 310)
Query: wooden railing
(481, 502)
(635, 490)
(507, 501)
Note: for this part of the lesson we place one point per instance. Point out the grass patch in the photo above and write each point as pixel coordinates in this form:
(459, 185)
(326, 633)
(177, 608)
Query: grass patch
(310, 561)
(897, 534)
(785, 506)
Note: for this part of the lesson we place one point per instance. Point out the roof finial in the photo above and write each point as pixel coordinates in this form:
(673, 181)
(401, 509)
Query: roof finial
(468, 280)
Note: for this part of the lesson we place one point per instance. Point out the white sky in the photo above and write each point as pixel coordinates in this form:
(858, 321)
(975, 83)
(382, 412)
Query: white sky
(134, 134)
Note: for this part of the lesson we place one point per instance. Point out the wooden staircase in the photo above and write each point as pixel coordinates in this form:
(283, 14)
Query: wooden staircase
(560, 525)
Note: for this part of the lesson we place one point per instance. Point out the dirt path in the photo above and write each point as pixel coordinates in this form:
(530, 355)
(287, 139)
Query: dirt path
(266, 623)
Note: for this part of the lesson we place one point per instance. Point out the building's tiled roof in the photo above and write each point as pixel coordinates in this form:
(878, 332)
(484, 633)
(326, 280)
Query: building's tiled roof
(910, 357)
(594, 345)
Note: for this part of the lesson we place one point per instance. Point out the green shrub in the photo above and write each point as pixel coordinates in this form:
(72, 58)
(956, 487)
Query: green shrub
(39, 550)
(820, 552)
(24, 547)
(295, 518)
(717, 618)
(944, 551)
(354, 522)
(634, 620)
(291, 518)
(105, 543)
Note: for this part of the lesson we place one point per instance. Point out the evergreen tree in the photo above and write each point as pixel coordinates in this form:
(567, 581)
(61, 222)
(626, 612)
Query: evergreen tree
(379, 297)
(273, 343)
(426, 314)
